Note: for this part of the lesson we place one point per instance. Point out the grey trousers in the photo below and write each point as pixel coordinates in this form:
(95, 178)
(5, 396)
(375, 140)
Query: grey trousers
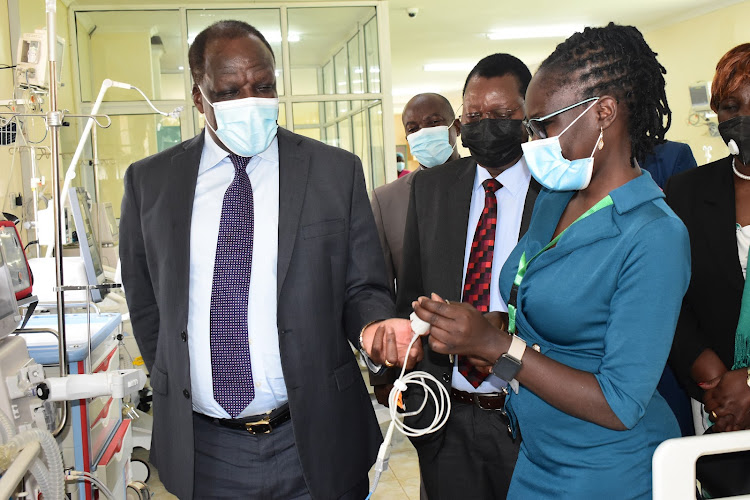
(232, 463)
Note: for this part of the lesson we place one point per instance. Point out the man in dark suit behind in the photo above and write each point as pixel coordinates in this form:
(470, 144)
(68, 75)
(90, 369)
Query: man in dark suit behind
(256, 389)
(469, 214)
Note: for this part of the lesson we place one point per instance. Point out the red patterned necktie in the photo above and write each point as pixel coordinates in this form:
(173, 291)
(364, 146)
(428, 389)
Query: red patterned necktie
(479, 271)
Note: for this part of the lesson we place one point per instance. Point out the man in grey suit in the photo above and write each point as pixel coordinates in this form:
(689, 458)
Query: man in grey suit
(430, 148)
(431, 129)
(251, 263)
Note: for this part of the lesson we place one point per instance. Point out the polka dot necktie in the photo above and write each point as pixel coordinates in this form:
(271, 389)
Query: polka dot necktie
(479, 271)
(230, 347)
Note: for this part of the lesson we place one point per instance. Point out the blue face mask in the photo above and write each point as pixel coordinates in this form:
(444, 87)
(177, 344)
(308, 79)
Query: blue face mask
(245, 126)
(551, 169)
(431, 146)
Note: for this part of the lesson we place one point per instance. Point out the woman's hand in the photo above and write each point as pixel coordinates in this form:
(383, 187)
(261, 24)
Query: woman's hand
(461, 329)
(729, 400)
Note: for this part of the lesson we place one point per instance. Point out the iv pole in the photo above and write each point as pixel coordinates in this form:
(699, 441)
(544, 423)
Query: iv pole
(54, 122)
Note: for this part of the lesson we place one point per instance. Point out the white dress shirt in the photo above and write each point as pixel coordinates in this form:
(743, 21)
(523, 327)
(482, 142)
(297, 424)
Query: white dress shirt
(510, 202)
(215, 173)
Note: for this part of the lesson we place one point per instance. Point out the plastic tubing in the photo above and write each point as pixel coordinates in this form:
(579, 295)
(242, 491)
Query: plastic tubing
(6, 427)
(54, 479)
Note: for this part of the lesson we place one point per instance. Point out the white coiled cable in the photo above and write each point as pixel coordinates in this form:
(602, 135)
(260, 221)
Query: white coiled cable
(441, 398)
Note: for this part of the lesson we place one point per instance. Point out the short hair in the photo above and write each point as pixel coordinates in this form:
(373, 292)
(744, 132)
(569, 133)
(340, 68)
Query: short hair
(444, 102)
(500, 65)
(228, 29)
(732, 72)
(617, 61)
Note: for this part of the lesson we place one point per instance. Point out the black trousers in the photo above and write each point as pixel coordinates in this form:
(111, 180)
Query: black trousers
(475, 459)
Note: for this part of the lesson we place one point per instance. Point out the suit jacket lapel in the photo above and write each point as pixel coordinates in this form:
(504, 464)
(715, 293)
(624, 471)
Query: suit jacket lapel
(456, 221)
(718, 219)
(182, 178)
(293, 172)
(528, 206)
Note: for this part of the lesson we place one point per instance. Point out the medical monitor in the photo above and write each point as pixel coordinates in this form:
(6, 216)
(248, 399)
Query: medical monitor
(32, 61)
(9, 317)
(86, 242)
(20, 273)
(700, 96)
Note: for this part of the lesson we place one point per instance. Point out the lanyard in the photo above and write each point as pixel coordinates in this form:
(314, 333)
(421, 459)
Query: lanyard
(523, 264)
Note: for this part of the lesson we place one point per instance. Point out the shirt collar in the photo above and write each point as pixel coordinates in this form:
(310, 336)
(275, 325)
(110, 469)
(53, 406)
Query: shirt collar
(213, 154)
(515, 178)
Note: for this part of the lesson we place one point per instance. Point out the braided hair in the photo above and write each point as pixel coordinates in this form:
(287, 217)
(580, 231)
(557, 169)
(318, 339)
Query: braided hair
(617, 61)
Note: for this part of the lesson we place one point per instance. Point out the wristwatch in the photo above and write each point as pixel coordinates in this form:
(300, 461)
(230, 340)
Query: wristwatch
(509, 364)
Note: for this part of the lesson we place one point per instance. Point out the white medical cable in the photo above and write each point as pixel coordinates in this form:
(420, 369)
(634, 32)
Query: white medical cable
(70, 172)
(85, 476)
(441, 398)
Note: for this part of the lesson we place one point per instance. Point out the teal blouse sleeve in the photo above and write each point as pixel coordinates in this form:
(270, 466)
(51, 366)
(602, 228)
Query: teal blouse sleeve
(644, 311)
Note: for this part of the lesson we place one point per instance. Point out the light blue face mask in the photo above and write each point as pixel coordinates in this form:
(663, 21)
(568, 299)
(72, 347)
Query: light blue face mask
(431, 146)
(551, 169)
(245, 126)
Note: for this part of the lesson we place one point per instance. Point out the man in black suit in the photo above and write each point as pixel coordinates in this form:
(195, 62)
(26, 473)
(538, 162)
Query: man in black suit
(464, 219)
(251, 261)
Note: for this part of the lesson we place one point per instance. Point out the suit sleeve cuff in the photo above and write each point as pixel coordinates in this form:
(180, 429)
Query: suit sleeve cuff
(375, 369)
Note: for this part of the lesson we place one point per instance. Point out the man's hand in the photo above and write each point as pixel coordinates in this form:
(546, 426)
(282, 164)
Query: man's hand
(386, 342)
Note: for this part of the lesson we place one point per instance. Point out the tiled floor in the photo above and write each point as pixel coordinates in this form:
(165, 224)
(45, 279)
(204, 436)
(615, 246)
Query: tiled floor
(399, 482)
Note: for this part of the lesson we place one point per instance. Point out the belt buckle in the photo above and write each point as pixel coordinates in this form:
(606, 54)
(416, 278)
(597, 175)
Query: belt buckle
(262, 426)
(478, 402)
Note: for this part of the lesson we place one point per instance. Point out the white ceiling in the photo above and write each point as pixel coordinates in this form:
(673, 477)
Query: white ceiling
(451, 31)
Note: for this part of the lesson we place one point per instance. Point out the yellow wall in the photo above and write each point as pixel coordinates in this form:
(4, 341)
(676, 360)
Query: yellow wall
(690, 50)
(131, 63)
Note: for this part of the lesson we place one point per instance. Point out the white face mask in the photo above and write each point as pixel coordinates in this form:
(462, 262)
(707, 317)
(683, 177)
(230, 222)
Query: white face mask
(245, 126)
(431, 146)
(551, 169)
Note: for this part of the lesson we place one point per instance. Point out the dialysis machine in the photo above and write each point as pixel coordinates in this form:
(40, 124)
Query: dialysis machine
(36, 423)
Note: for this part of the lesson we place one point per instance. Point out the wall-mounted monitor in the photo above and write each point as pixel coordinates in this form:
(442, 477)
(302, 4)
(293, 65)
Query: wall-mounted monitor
(86, 242)
(20, 273)
(700, 96)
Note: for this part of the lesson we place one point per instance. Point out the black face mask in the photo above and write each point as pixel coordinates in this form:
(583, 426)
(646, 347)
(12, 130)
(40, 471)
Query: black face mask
(735, 130)
(494, 142)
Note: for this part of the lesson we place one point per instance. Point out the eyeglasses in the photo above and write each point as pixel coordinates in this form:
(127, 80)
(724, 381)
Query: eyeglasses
(500, 113)
(537, 127)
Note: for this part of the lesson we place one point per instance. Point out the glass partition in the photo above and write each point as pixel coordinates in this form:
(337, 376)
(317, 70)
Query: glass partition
(326, 33)
(267, 21)
(332, 92)
(142, 48)
(130, 138)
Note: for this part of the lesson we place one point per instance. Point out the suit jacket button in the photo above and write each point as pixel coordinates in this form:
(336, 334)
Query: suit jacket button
(186, 393)
(446, 377)
(183, 336)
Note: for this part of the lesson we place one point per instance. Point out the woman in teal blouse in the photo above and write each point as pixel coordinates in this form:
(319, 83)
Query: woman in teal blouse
(595, 285)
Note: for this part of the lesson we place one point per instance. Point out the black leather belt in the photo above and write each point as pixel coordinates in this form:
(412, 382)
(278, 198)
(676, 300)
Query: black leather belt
(494, 401)
(255, 424)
